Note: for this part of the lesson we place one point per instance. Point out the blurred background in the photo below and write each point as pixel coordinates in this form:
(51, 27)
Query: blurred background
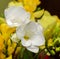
(3, 5)
(53, 6)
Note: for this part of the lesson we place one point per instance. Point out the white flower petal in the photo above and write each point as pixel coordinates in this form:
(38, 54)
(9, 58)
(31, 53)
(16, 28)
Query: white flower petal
(14, 38)
(26, 43)
(33, 49)
(40, 27)
(33, 28)
(20, 32)
(38, 40)
(34, 32)
(16, 15)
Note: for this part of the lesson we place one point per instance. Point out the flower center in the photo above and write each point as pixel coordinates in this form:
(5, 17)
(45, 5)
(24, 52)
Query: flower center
(26, 37)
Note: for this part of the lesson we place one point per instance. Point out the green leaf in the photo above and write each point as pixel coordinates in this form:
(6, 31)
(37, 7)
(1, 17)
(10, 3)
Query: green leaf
(28, 55)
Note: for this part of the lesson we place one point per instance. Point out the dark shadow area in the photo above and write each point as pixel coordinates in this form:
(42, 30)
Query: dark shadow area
(53, 6)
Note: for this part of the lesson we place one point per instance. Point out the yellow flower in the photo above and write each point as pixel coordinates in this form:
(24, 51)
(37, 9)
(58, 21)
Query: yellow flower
(39, 13)
(48, 22)
(6, 30)
(14, 45)
(10, 57)
(30, 5)
(17, 50)
(9, 42)
(11, 48)
(58, 20)
(1, 43)
(50, 42)
(2, 56)
(42, 47)
(14, 3)
(57, 49)
(11, 30)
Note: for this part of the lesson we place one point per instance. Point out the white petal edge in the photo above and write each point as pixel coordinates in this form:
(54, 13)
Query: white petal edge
(26, 43)
(20, 32)
(16, 13)
(33, 49)
(38, 40)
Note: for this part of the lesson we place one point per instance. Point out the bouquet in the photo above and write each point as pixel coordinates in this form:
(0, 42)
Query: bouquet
(28, 32)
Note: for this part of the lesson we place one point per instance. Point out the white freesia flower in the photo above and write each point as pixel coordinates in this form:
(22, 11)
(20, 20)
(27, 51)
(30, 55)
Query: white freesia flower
(31, 36)
(16, 15)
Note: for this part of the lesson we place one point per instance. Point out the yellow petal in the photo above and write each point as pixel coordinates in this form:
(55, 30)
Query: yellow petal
(4, 28)
(14, 45)
(10, 57)
(57, 49)
(11, 30)
(1, 43)
(9, 42)
(10, 50)
(50, 42)
(48, 23)
(30, 8)
(38, 14)
(42, 47)
(30, 5)
(2, 56)
(14, 3)
(17, 50)
(46, 13)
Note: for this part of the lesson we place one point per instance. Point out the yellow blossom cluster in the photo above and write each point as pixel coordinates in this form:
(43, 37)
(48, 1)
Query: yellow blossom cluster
(50, 24)
(5, 33)
(30, 5)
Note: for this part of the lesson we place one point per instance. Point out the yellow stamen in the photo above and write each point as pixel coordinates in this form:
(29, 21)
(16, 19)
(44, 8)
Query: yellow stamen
(26, 37)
